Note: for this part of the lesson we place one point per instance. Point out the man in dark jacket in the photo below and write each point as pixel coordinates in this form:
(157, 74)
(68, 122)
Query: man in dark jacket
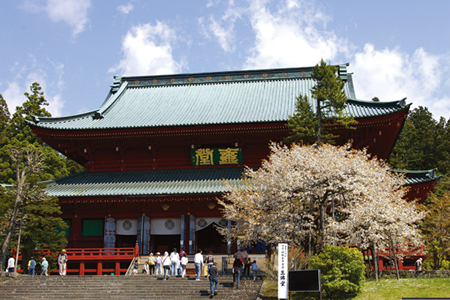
(213, 279)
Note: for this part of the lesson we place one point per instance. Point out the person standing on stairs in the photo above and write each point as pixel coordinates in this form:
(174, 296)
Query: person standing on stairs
(213, 279)
(166, 262)
(62, 262)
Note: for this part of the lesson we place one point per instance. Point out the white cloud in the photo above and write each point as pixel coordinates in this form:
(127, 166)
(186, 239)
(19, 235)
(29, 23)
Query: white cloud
(49, 78)
(72, 12)
(292, 34)
(148, 50)
(222, 28)
(392, 75)
(125, 9)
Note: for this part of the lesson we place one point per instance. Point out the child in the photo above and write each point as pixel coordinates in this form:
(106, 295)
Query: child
(136, 267)
(255, 270)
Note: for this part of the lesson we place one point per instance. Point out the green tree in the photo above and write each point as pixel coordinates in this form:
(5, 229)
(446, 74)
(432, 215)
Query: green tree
(330, 100)
(17, 134)
(436, 229)
(416, 148)
(341, 270)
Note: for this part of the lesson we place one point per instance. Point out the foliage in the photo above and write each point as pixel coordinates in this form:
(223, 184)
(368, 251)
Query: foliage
(423, 144)
(303, 123)
(330, 97)
(341, 270)
(288, 198)
(16, 134)
(436, 230)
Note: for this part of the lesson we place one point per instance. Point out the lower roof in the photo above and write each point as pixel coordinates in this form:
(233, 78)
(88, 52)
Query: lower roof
(145, 183)
(167, 182)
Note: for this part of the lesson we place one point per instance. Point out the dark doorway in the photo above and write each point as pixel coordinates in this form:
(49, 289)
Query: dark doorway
(161, 243)
(209, 239)
(125, 241)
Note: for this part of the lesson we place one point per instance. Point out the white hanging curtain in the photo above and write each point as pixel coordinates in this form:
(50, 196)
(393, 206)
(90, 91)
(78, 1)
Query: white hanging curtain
(165, 226)
(205, 222)
(127, 227)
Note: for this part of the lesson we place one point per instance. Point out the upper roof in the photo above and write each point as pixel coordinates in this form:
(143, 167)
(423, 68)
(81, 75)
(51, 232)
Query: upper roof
(167, 182)
(253, 96)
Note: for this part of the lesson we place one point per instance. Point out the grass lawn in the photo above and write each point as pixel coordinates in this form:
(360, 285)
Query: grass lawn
(405, 287)
(386, 289)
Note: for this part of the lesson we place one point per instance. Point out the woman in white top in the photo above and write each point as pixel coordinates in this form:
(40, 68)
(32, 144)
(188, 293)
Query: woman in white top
(166, 262)
(175, 258)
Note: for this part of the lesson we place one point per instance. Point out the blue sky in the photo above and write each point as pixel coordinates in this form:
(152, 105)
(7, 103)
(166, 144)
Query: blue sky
(73, 48)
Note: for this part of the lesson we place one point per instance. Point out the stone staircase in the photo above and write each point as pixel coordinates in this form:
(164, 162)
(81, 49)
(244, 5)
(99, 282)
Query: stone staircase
(124, 287)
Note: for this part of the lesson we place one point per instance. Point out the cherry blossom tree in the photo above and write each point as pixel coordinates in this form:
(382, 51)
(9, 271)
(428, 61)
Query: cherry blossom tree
(312, 195)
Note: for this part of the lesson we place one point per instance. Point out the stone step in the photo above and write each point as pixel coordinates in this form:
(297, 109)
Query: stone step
(118, 287)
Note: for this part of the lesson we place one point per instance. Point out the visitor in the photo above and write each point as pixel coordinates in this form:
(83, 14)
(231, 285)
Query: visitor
(198, 261)
(31, 266)
(166, 262)
(158, 264)
(184, 262)
(182, 253)
(151, 264)
(210, 260)
(44, 267)
(10, 267)
(136, 267)
(62, 262)
(213, 279)
(254, 270)
(175, 258)
(145, 268)
(247, 265)
(237, 272)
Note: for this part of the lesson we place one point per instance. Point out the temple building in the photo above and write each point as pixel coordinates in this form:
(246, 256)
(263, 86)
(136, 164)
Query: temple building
(157, 149)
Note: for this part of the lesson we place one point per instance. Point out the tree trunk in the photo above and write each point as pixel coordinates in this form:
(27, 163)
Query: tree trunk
(9, 232)
(375, 262)
(319, 123)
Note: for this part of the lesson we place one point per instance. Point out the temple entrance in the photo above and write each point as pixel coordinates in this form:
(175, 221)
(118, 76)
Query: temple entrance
(125, 241)
(161, 243)
(209, 239)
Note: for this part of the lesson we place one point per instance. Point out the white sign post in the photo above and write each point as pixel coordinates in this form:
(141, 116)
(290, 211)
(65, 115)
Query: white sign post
(283, 270)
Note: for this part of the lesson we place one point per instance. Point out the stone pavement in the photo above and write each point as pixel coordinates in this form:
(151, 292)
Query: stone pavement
(124, 287)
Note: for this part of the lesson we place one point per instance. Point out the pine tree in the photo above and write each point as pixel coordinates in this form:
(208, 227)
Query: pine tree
(330, 98)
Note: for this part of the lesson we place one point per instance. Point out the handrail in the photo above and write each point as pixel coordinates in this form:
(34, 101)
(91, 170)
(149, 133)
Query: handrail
(131, 266)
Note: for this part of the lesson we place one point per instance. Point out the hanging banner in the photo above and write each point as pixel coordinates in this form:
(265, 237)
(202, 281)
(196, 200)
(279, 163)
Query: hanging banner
(216, 156)
(127, 227)
(165, 226)
(202, 223)
(283, 270)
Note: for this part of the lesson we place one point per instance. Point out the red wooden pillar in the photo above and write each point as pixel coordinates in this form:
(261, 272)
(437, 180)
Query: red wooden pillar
(81, 268)
(99, 268)
(76, 230)
(380, 264)
(400, 264)
(117, 268)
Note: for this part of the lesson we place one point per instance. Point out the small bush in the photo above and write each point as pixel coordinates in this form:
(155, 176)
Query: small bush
(342, 271)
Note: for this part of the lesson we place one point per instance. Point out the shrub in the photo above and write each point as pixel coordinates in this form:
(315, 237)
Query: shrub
(342, 271)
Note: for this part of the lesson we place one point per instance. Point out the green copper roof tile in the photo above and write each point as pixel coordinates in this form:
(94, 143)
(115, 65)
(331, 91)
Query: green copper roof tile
(167, 182)
(258, 96)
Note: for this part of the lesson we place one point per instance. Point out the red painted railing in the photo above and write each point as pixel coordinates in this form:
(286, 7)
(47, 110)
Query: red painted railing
(82, 261)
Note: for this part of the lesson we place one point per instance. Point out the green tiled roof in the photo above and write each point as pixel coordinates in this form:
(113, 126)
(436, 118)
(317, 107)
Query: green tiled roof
(421, 176)
(254, 96)
(144, 183)
(167, 182)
